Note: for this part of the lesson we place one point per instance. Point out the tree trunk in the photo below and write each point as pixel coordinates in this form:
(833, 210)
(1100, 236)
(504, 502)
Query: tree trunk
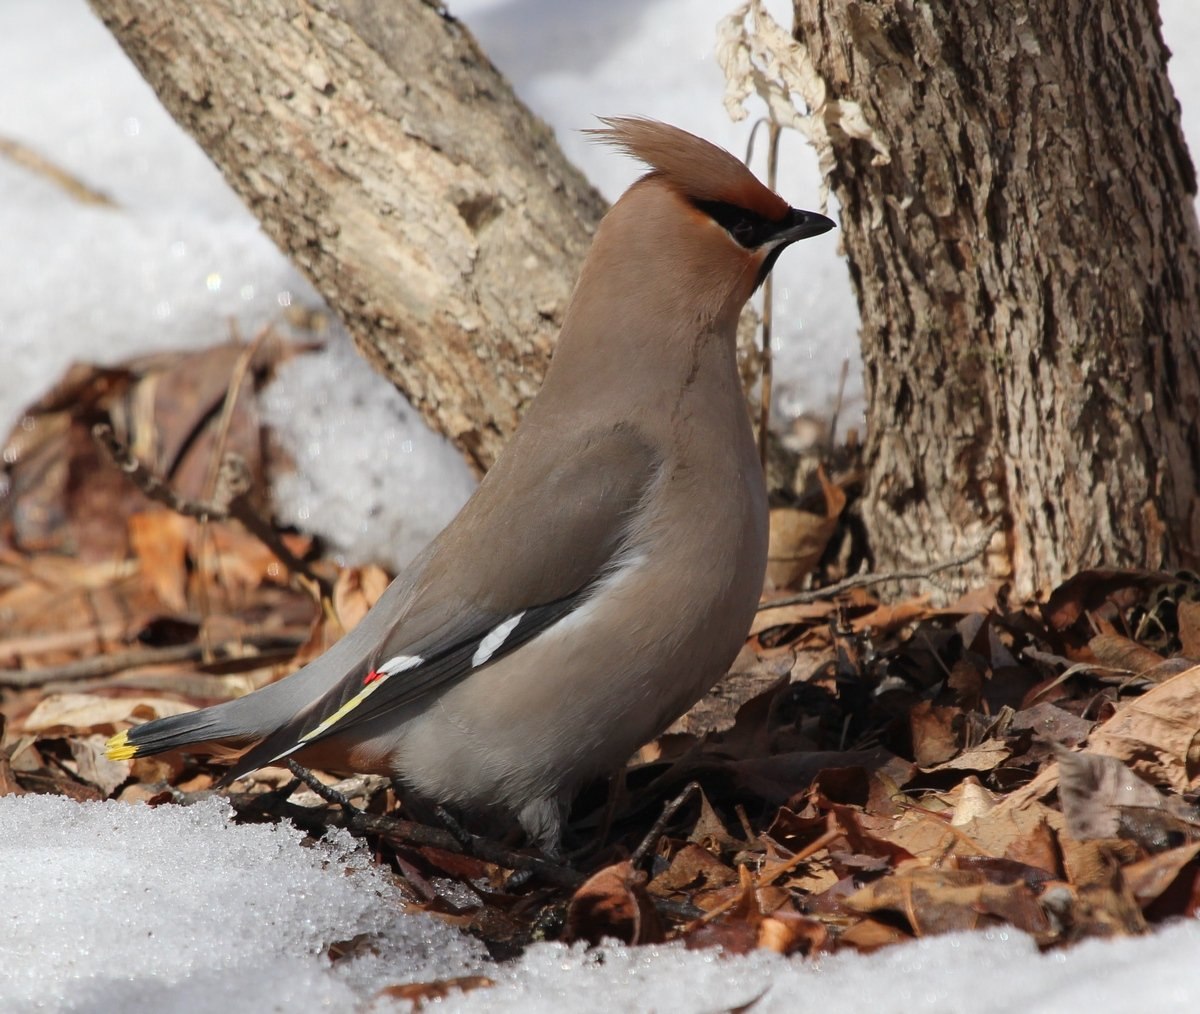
(1028, 270)
(389, 159)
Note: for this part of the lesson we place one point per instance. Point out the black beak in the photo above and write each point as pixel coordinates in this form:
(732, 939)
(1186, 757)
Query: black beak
(795, 225)
(801, 225)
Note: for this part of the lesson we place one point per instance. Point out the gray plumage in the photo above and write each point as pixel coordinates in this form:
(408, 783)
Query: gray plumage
(606, 571)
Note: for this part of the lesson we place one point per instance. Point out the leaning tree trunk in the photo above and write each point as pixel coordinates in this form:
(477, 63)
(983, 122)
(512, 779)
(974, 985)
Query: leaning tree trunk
(384, 153)
(1028, 270)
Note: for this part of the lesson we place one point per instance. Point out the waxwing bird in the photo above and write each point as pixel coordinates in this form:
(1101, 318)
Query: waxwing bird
(605, 573)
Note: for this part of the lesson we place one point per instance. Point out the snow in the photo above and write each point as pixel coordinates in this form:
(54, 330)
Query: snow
(370, 476)
(170, 267)
(111, 906)
(176, 909)
(179, 258)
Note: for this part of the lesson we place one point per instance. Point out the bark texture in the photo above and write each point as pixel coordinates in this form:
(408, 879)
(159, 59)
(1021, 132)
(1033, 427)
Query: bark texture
(1028, 269)
(390, 160)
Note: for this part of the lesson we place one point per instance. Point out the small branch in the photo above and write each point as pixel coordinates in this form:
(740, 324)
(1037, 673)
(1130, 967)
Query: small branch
(237, 379)
(410, 833)
(230, 500)
(866, 580)
(837, 406)
(149, 483)
(660, 825)
(768, 361)
(29, 159)
(104, 665)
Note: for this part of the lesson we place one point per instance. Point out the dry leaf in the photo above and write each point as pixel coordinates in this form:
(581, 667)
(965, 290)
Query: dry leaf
(159, 539)
(94, 767)
(798, 538)
(692, 869)
(1122, 653)
(421, 993)
(1148, 878)
(802, 612)
(1188, 613)
(356, 590)
(973, 802)
(613, 903)
(887, 618)
(75, 712)
(945, 901)
(985, 757)
(934, 738)
(1158, 734)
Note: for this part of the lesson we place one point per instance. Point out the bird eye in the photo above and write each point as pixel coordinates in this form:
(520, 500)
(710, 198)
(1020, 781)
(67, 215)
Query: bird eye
(743, 231)
(747, 228)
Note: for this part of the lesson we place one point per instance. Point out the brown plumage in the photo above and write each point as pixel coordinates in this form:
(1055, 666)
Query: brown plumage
(695, 168)
(605, 573)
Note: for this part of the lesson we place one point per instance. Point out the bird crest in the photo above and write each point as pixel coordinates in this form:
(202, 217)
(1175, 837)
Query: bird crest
(698, 169)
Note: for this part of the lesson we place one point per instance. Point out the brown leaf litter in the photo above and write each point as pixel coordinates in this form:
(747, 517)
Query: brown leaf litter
(871, 771)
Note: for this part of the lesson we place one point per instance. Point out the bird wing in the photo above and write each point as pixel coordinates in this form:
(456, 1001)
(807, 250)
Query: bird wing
(527, 550)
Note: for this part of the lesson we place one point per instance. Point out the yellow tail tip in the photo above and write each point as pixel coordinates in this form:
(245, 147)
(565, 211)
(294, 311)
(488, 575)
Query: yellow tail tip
(119, 748)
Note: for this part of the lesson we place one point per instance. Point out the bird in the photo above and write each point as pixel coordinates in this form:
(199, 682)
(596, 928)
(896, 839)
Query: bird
(605, 573)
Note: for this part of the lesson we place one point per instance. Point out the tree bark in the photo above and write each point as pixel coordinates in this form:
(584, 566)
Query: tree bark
(383, 153)
(1028, 270)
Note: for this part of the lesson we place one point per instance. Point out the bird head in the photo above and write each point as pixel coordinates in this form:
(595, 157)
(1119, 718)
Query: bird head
(699, 224)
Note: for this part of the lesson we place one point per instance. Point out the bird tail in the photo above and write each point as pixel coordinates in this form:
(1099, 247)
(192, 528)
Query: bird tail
(224, 725)
(269, 711)
(244, 721)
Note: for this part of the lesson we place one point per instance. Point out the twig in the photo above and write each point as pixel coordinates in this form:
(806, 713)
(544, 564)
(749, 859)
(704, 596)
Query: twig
(837, 406)
(410, 833)
(234, 484)
(149, 483)
(660, 825)
(865, 580)
(237, 378)
(806, 853)
(34, 162)
(104, 665)
(326, 792)
(768, 360)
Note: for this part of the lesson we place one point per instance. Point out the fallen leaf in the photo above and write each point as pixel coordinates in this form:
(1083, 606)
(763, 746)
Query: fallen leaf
(1121, 653)
(1189, 628)
(973, 802)
(1090, 589)
(780, 616)
(934, 737)
(869, 935)
(159, 539)
(75, 712)
(792, 933)
(798, 538)
(355, 591)
(1148, 878)
(1158, 734)
(613, 903)
(1102, 798)
(945, 901)
(885, 619)
(94, 767)
(985, 757)
(421, 993)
